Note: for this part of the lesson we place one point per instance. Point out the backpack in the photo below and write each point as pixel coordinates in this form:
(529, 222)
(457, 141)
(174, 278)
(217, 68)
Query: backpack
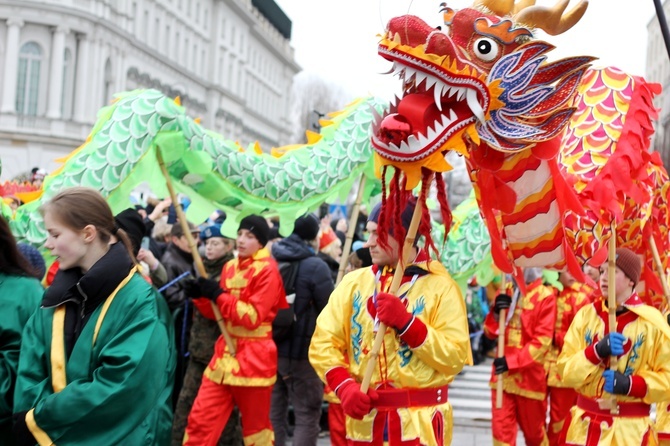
(282, 326)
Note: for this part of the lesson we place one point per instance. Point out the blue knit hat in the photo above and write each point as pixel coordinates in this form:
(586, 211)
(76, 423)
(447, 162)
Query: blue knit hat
(33, 256)
(210, 231)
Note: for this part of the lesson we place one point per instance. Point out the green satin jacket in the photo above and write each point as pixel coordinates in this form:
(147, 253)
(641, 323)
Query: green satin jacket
(20, 296)
(116, 386)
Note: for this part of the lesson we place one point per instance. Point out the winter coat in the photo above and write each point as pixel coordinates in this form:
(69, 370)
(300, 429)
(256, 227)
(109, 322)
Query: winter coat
(312, 289)
(176, 262)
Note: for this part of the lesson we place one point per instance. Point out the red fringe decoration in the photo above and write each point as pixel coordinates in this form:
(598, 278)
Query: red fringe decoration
(445, 210)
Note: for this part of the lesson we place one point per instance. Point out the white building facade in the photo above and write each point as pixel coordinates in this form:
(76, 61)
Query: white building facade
(658, 70)
(230, 61)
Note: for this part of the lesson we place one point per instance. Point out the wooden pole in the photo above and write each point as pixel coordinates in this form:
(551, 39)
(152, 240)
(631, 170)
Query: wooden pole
(502, 325)
(395, 284)
(353, 220)
(660, 270)
(194, 249)
(611, 305)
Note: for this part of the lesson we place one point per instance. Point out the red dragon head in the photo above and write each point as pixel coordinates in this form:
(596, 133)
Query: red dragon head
(482, 79)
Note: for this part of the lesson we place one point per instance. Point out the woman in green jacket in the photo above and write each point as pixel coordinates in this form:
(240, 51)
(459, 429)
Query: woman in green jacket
(20, 295)
(97, 360)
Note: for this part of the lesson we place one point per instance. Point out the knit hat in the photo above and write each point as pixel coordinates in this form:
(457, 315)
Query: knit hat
(327, 237)
(628, 262)
(33, 256)
(210, 231)
(405, 217)
(307, 227)
(131, 222)
(257, 226)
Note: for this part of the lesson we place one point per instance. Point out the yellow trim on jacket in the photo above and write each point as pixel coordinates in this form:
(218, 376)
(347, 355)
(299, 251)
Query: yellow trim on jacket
(41, 436)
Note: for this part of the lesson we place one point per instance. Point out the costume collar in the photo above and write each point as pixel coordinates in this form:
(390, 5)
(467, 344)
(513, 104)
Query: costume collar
(633, 300)
(93, 287)
(418, 266)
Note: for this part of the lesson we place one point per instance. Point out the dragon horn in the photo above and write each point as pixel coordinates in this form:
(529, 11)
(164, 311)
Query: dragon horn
(498, 7)
(522, 4)
(552, 20)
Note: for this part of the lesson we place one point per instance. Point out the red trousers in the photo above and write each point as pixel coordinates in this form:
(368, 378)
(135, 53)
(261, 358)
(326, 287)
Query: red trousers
(561, 400)
(518, 411)
(336, 425)
(212, 408)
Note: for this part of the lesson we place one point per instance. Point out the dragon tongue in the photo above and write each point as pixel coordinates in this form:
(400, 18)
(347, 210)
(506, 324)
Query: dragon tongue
(419, 110)
(395, 129)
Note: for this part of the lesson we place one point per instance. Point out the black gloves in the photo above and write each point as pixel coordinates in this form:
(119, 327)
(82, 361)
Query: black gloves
(616, 382)
(502, 302)
(22, 434)
(500, 365)
(611, 344)
(202, 287)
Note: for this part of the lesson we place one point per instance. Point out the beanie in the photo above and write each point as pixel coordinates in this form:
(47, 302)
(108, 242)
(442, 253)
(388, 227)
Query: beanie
(327, 237)
(628, 262)
(132, 224)
(210, 231)
(34, 258)
(405, 217)
(257, 226)
(307, 227)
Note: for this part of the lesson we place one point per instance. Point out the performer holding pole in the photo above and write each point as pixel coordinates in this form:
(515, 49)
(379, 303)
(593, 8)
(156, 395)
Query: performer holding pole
(527, 334)
(639, 338)
(426, 345)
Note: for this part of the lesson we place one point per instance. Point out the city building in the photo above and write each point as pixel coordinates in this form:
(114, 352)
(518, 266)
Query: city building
(230, 61)
(658, 70)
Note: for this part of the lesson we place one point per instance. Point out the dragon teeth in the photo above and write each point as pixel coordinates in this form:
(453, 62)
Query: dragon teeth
(437, 93)
(475, 107)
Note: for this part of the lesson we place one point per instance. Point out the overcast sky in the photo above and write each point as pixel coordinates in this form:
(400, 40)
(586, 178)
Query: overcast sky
(337, 40)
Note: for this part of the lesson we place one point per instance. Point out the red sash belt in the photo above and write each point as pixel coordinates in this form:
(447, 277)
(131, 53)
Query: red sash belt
(625, 409)
(396, 398)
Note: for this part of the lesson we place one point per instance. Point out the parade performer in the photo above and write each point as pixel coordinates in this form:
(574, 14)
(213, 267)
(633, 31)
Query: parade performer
(203, 335)
(528, 334)
(569, 300)
(249, 295)
(97, 359)
(426, 345)
(20, 296)
(297, 382)
(641, 342)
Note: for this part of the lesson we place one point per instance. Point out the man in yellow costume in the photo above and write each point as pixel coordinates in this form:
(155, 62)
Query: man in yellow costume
(569, 301)
(425, 346)
(641, 341)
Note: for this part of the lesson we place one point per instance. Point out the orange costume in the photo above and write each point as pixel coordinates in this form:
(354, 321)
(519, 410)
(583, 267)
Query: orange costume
(528, 334)
(253, 292)
(561, 397)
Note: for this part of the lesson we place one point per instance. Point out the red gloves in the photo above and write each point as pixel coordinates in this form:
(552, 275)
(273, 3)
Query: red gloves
(355, 403)
(392, 312)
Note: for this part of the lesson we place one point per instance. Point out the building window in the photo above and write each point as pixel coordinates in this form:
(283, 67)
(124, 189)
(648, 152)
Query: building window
(28, 81)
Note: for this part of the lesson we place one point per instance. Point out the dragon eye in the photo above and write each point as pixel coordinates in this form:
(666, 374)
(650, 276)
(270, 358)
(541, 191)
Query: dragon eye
(486, 49)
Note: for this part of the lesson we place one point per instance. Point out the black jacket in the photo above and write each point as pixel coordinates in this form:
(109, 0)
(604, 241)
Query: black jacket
(176, 262)
(313, 286)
